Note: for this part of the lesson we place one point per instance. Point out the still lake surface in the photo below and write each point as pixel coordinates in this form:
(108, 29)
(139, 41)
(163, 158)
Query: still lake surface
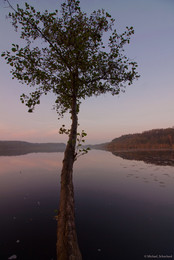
(124, 208)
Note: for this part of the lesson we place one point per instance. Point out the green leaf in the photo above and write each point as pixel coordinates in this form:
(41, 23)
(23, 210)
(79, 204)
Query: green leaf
(108, 15)
(25, 77)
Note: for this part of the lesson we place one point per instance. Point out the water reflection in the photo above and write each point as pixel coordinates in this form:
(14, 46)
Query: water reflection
(158, 158)
(127, 211)
(153, 157)
(124, 208)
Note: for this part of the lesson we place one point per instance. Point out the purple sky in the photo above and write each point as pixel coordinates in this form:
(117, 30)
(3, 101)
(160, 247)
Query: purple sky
(147, 104)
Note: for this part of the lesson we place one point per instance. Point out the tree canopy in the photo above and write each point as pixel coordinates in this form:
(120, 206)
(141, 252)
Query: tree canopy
(72, 59)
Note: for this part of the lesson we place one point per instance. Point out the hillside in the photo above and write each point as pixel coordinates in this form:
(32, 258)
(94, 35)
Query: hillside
(19, 147)
(162, 139)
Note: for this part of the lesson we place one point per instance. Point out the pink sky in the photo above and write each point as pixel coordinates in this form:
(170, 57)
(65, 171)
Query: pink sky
(147, 104)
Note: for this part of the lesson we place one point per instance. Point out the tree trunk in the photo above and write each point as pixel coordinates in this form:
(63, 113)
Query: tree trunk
(67, 244)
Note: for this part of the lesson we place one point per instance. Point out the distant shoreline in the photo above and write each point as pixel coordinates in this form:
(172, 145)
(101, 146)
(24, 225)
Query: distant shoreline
(156, 140)
(10, 148)
(142, 150)
(162, 156)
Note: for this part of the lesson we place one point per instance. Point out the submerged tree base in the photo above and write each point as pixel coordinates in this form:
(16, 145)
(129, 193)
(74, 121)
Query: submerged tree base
(67, 244)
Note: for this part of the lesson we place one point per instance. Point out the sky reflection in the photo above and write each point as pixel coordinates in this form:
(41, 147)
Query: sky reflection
(120, 204)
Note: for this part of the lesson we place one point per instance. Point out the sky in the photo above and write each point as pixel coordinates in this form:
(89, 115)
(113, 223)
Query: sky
(147, 104)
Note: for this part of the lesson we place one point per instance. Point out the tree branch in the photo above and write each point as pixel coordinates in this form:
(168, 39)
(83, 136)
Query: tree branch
(44, 36)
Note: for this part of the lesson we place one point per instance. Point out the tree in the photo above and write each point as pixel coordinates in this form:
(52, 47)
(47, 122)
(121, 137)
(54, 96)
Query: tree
(73, 64)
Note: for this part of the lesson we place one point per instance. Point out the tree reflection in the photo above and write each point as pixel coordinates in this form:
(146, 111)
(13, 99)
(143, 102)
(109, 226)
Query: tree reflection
(165, 158)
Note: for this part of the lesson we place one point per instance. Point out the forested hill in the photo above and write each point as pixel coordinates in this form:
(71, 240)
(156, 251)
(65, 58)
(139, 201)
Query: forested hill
(153, 139)
(19, 147)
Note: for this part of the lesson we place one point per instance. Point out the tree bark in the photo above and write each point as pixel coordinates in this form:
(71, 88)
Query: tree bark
(67, 243)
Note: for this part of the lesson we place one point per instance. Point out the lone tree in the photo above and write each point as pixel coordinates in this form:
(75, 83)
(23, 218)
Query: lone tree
(72, 63)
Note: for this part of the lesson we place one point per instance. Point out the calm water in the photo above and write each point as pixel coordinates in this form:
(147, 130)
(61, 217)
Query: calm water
(124, 208)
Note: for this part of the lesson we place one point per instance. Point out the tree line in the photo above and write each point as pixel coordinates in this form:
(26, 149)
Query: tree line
(152, 139)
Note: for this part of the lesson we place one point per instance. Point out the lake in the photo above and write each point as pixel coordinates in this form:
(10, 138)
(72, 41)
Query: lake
(124, 208)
